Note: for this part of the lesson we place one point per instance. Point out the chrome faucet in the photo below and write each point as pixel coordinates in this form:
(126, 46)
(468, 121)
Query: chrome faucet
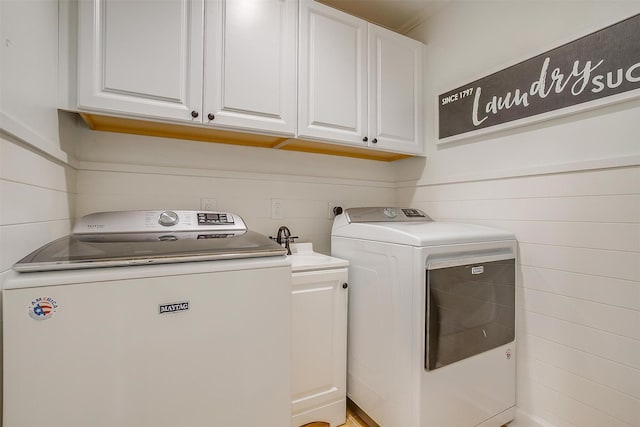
(284, 237)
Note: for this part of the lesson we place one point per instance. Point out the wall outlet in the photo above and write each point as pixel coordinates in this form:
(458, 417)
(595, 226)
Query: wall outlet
(277, 210)
(209, 204)
(331, 206)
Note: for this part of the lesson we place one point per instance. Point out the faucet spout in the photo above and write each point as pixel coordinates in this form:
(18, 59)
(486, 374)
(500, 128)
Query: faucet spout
(284, 237)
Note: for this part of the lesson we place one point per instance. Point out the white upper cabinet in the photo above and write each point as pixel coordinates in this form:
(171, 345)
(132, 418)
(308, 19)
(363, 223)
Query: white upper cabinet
(395, 91)
(296, 74)
(140, 58)
(359, 84)
(250, 64)
(332, 75)
(225, 63)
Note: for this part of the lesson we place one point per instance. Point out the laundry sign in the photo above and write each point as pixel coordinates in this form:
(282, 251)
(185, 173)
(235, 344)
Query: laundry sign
(572, 77)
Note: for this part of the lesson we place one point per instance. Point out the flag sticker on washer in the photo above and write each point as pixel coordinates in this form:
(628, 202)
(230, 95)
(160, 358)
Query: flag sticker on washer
(42, 308)
(173, 307)
(479, 269)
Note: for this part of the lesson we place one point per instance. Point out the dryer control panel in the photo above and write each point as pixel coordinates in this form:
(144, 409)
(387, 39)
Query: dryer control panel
(385, 214)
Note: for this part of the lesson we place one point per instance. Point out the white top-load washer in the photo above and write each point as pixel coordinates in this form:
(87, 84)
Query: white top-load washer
(431, 318)
(149, 319)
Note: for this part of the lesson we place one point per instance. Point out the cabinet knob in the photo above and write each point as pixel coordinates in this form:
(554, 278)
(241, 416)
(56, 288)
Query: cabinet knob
(211, 116)
(345, 286)
(365, 139)
(374, 140)
(194, 114)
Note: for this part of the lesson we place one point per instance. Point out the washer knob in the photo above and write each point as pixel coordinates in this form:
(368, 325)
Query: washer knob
(168, 218)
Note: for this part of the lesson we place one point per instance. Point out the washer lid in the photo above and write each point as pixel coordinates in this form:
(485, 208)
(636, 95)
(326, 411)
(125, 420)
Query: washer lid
(425, 232)
(113, 239)
(92, 251)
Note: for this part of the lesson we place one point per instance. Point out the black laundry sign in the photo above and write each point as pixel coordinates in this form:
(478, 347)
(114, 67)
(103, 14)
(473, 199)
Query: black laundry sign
(598, 65)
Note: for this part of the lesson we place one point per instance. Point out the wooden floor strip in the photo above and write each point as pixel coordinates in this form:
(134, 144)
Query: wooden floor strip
(353, 420)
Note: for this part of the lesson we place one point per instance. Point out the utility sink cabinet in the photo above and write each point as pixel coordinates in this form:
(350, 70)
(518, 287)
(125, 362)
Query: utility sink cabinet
(319, 337)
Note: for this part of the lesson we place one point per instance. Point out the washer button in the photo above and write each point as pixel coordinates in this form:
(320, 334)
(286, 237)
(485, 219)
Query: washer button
(168, 218)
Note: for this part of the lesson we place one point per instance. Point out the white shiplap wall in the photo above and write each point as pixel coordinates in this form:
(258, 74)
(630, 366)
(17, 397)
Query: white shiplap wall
(135, 172)
(37, 200)
(304, 199)
(570, 190)
(37, 182)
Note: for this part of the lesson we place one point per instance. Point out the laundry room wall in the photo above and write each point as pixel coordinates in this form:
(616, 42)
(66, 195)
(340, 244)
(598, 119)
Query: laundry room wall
(570, 190)
(118, 171)
(37, 181)
(568, 187)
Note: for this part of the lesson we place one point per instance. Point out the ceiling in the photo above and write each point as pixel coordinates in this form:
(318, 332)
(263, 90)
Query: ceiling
(396, 15)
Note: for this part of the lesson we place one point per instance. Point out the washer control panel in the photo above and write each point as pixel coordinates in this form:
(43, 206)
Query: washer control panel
(158, 221)
(205, 218)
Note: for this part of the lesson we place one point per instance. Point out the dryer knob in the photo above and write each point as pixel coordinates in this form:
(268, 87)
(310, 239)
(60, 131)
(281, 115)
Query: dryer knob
(168, 218)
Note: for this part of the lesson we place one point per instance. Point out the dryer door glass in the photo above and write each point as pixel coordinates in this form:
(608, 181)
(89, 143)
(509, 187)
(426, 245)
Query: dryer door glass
(470, 309)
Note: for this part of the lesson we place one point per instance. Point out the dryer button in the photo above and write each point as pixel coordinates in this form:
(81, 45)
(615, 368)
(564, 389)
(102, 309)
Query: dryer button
(390, 212)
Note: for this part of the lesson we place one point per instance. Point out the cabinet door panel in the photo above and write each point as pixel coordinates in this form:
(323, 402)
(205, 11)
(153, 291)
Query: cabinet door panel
(395, 91)
(319, 328)
(141, 57)
(332, 75)
(250, 65)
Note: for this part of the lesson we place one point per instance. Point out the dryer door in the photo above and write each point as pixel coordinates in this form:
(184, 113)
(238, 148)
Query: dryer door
(470, 308)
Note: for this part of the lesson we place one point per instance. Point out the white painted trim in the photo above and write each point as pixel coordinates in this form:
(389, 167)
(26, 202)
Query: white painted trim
(67, 54)
(606, 163)
(209, 173)
(412, 23)
(14, 129)
(523, 419)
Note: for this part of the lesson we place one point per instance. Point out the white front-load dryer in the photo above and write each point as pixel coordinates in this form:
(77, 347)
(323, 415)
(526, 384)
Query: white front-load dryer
(431, 318)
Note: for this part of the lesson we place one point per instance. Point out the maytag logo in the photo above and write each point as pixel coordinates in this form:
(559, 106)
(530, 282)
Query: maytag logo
(95, 225)
(174, 307)
(477, 270)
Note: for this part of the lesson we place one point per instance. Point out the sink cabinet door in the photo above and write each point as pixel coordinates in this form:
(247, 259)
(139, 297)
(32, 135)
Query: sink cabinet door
(250, 65)
(319, 347)
(141, 58)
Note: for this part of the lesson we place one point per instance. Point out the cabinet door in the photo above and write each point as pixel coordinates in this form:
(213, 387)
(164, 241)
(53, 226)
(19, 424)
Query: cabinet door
(395, 91)
(319, 344)
(141, 57)
(332, 75)
(250, 64)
